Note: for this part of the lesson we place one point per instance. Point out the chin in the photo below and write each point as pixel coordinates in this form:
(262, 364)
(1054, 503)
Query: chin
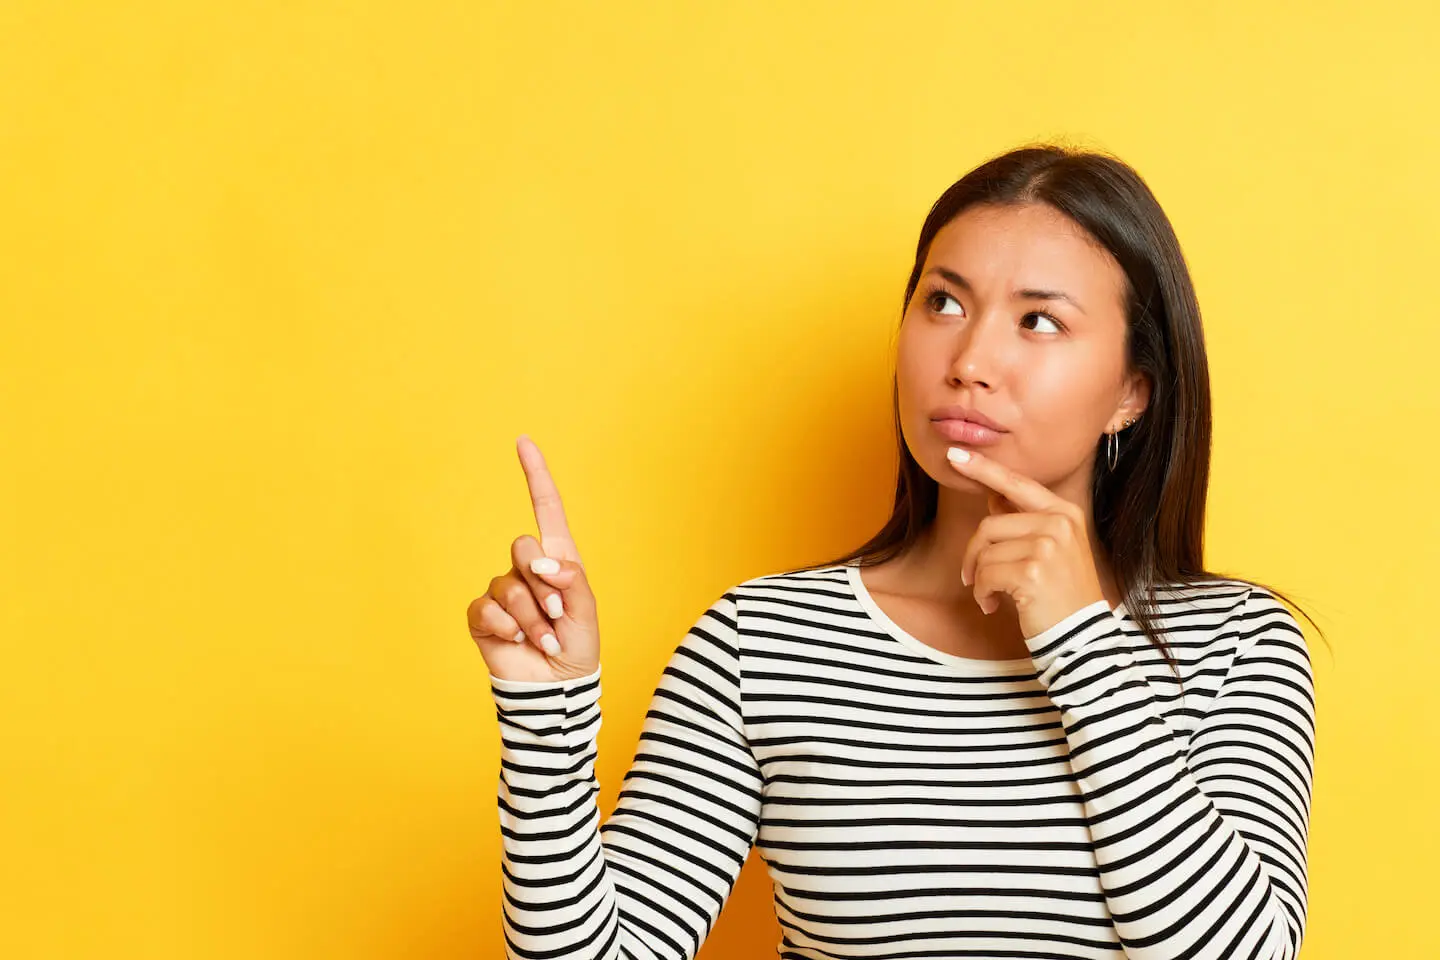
(947, 476)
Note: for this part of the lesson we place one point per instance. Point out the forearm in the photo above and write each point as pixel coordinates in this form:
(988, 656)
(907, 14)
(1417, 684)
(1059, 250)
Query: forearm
(650, 882)
(1181, 876)
(559, 899)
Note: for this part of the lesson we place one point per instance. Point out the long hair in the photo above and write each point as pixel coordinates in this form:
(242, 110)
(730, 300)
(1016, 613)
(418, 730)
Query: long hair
(1149, 512)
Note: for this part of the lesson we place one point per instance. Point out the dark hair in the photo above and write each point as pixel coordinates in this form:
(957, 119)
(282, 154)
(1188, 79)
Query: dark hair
(1149, 513)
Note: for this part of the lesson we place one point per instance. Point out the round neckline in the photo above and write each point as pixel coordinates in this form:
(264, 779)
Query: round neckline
(964, 664)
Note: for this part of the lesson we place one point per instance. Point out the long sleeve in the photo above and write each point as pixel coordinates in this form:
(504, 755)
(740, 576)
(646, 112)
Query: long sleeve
(650, 882)
(1201, 847)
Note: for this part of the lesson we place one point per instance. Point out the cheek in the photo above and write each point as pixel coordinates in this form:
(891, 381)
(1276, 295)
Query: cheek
(1047, 404)
(905, 339)
(1065, 395)
(913, 366)
(1064, 411)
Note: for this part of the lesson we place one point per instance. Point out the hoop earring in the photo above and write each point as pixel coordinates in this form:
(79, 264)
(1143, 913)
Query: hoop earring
(1112, 444)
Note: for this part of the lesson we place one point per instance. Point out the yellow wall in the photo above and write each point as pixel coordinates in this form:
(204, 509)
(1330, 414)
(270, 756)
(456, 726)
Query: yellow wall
(280, 283)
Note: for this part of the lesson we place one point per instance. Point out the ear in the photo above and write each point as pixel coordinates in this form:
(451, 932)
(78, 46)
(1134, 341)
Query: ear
(1136, 398)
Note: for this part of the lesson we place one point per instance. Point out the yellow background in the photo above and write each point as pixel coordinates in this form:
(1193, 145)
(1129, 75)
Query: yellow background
(281, 283)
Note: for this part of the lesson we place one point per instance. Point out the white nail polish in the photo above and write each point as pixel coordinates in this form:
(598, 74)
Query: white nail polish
(958, 454)
(544, 565)
(519, 637)
(550, 645)
(554, 606)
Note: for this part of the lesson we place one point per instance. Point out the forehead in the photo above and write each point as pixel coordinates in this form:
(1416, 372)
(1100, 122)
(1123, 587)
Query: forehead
(1033, 246)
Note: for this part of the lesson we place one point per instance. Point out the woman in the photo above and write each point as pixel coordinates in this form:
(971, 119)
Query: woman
(1021, 721)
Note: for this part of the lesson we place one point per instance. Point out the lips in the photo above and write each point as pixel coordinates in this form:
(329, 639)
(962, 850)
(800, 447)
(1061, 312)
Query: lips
(967, 431)
(958, 412)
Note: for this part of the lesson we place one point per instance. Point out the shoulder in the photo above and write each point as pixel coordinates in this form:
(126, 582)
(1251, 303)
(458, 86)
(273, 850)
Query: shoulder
(1229, 619)
(796, 586)
(786, 602)
(825, 586)
(1243, 611)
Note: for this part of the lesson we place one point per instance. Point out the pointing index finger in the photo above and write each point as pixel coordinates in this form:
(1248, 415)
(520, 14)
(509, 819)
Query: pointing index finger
(1022, 491)
(555, 537)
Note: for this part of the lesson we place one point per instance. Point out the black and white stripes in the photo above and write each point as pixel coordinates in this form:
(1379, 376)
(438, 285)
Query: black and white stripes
(908, 803)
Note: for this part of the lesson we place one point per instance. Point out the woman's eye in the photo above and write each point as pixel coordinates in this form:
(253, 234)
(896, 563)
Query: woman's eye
(1047, 318)
(937, 298)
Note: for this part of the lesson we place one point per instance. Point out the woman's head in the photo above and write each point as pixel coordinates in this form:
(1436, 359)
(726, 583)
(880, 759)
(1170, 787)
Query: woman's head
(1124, 344)
(1022, 317)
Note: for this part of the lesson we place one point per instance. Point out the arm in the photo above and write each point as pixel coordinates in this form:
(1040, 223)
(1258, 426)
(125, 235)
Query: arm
(1202, 853)
(651, 881)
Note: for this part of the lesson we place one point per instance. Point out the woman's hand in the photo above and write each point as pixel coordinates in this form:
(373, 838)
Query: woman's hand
(1034, 546)
(537, 621)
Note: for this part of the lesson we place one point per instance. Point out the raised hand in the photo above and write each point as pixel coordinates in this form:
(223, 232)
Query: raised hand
(1034, 546)
(537, 621)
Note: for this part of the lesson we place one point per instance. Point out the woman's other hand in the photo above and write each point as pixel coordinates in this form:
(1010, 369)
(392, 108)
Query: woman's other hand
(537, 621)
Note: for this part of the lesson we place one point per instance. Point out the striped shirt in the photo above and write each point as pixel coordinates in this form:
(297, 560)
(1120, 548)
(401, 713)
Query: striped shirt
(909, 803)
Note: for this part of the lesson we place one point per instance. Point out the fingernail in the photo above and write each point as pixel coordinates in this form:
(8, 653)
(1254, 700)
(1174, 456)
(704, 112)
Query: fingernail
(958, 454)
(554, 606)
(544, 565)
(519, 637)
(550, 645)
(964, 579)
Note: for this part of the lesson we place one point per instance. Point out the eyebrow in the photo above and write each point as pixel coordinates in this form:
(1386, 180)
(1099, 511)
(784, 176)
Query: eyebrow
(1029, 294)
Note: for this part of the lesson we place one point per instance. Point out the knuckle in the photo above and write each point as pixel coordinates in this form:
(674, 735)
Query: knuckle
(1032, 570)
(495, 618)
(515, 597)
(485, 616)
(475, 613)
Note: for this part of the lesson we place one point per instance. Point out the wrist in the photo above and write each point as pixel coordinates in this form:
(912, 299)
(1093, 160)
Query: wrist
(538, 678)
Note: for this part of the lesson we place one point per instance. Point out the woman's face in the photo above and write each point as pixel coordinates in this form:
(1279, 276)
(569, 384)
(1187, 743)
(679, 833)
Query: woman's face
(1020, 316)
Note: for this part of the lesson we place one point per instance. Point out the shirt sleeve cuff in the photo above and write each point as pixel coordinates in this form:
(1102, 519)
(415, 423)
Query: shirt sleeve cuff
(557, 711)
(1073, 632)
(502, 685)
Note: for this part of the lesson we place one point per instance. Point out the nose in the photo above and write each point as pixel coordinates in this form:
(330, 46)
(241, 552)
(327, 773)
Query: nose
(977, 353)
